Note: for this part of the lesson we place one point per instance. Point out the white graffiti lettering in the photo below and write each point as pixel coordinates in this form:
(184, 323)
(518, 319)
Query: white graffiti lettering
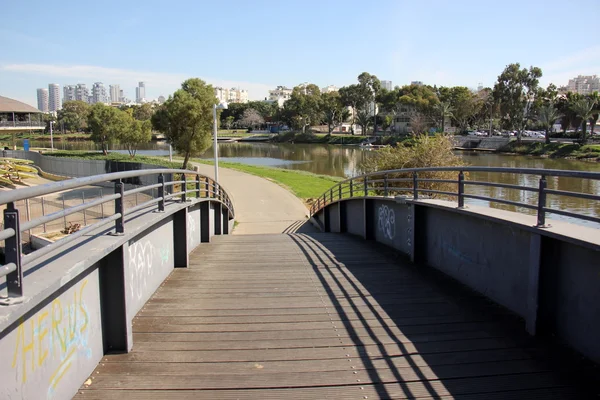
(141, 255)
(387, 222)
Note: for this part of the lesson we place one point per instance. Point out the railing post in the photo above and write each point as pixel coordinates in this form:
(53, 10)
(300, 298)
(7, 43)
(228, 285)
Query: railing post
(12, 255)
(461, 190)
(415, 186)
(541, 213)
(198, 186)
(119, 209)
(43, 214)
(161, 193)
(84, 214)
(331, 195)
(366, 188)
(184, 189)
(385, 185)
(351, 188)
(340, 192)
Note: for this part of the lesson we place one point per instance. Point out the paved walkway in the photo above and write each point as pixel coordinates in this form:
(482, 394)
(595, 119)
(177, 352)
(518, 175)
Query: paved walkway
(261, 206)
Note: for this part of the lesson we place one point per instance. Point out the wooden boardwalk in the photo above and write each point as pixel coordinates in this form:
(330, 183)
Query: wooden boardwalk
(321, 316)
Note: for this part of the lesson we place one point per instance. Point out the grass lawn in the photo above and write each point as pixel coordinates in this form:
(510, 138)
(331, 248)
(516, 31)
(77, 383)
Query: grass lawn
(304, 185)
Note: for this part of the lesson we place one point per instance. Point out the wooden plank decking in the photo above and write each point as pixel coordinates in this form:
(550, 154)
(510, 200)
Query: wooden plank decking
(321, 316)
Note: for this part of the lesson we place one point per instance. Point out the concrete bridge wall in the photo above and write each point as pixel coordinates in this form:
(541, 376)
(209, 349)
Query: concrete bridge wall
(549, 277)
(81, 301)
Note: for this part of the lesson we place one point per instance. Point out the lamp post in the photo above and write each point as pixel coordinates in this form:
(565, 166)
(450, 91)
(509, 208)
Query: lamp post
(221, 106)
(51, 137)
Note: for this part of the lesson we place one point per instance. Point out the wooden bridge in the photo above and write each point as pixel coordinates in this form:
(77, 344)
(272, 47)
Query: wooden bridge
(300, 316)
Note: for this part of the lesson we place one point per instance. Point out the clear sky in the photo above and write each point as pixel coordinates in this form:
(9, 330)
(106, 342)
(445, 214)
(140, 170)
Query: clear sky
(259, 44)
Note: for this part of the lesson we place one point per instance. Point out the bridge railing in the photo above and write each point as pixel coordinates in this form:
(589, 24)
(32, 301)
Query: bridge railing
(438, 182)
(180, 188)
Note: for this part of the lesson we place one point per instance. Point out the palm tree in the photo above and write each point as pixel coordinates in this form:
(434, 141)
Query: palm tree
(547, 116)
(443, 110)
(363, 118)
(584, 109)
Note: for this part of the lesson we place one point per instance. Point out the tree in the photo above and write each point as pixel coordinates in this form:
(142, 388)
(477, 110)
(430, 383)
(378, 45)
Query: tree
(333, 110)
(515, 91)
(107, 124)
(135, 133)
(443, 110)
(387, 121)
(229, 121)
(364, 119)
(418, 123)
(351, 97)
(370, 86)
(547, 116)
(251, 119)
(303, 109)
(464, 104)
(584, 109)
(595, 97)
(74, 115)
(186, 118)
(143, 112)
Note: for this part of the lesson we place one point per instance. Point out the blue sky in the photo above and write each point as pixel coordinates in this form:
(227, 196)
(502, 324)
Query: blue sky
(259, 44)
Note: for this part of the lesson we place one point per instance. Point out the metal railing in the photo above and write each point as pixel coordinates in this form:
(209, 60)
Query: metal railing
(440, 182)
(25, 124)
(14, 260)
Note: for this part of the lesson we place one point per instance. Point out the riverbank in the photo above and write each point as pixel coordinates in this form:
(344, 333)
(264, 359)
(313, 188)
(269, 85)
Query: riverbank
(318, 138)
(88, 155)
(305, 185)
(590, 152)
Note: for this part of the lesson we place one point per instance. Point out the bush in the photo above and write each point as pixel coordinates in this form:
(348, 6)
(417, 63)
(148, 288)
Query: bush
(419, 152)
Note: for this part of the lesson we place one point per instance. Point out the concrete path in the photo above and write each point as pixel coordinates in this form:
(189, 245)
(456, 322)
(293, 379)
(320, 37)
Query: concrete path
(261, 206)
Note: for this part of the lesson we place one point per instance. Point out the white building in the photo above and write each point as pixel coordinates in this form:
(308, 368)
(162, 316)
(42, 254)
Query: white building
(69, 92)
(82, 93)
(161, 99)
(140, 93)
(53, 97)
(329, 89)
(387, 85)
(99, 93)
(280, 95)
(42, 98)
(584, 84)
(115, 93)
(233, 95)
(417, 83)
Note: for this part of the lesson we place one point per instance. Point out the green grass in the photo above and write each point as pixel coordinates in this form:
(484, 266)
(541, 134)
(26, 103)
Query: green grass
(38, 136)
(86, 155)
(304, 185)
(556, 150)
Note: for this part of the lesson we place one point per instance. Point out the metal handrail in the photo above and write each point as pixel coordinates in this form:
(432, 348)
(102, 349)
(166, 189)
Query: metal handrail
(11, 234)
(377, 184)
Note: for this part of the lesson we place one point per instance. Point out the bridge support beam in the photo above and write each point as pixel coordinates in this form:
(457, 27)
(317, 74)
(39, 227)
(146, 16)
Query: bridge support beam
(180, 239)
(205, 222)
(116, 331)
(225, 220)
(218, 218)
(535, 260)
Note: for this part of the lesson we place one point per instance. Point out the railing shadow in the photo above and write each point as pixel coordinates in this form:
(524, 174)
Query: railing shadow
(422, 335)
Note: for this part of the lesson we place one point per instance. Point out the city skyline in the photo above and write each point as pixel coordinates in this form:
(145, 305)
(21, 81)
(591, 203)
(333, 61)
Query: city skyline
(446, 50)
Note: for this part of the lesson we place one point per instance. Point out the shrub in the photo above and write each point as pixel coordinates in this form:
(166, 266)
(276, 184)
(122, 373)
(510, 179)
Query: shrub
(420, 152)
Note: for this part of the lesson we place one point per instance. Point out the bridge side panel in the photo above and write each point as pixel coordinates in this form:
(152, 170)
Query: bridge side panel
(355, 214)
(392, 224)
(53, 349)
(491, 258)
(333, 217)
(570, 296)
(193, 227)
(148, 261)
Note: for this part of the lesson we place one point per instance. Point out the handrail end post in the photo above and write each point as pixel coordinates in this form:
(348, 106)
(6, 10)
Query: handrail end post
(12, 254)
(461, 190)
(415, 186)
(119, 209)
(541, 212)
(161, 193)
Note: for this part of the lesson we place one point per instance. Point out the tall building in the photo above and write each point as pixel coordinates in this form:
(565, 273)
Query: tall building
(387, 85)
(329, 89)
(53, 97)
(115, 93)
(42, 97)
(233, 95)
(161, 99)
(140, 93)
(280, 95)
(584, 84)
(417, 83)
(99, 93)
(82, 93)
(69, 92)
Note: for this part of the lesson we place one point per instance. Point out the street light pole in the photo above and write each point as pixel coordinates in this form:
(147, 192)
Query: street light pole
(215, 143)
(51, 137)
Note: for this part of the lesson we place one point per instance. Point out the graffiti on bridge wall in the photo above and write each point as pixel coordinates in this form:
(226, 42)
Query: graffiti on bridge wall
(144, 257)
(387, 222)
(56, 335)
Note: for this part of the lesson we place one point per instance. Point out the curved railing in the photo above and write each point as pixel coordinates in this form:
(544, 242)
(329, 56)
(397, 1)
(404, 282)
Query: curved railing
(451, 182)
(168, 191)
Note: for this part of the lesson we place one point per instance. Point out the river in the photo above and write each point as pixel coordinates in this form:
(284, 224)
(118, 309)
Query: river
(344, 161)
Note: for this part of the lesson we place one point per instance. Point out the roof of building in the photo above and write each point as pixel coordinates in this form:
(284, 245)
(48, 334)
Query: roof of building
(12, 105)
